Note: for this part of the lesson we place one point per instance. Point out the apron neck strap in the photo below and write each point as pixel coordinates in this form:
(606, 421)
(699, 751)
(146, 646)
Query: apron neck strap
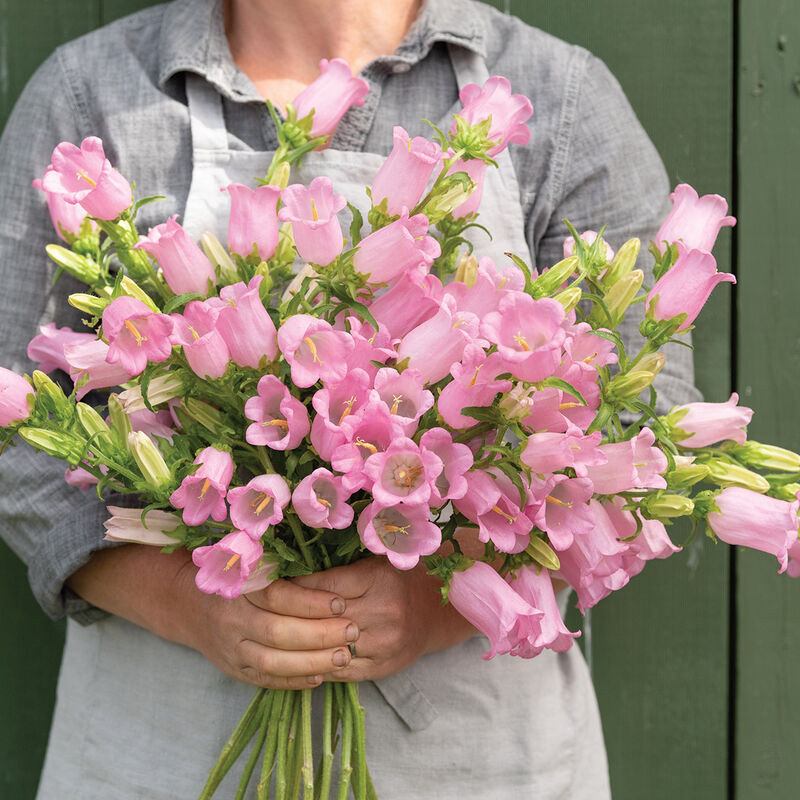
(206, 115)
(469, 66)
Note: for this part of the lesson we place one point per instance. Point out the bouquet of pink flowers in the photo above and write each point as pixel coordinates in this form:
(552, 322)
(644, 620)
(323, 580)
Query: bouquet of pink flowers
(371, 407)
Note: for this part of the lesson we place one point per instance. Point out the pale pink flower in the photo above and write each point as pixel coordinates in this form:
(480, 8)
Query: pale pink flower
(702, 424)
(508, 112)
(202, 494)
(793, 570)
(84, 175)
(587, 349)
(225, 565)
(153, 424)
(634, 464)
(259, 504)
(320, 501)
(136, 335)
(47, 347)
(490, 287)
(196, 331)
(402, 178)
(451, 482)
(280, 421)
(753, 520)
(314, 350)
(408, 303)
(550, 452)
(126, 525)
(330, 96)
(16, 398)
(66, 217)
(476, 170)
(403, 533)
(89, 366)
(686, 287)
(566, 511)
(186, 268)
(696, 221)
(253, 221)
(400, 247)
(80, 478)
(333, 405)
(589, 237)
(548, 412)
(404, 394)
(484, 599)
(315, 226)
(368, 346)
(246, 326)
(403, 473)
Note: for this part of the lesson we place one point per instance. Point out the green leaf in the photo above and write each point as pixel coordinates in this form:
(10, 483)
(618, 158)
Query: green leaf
(146, 200)
(356, 224)
(560, 383)
(482, 413)
(526, 271)
(180, 300)
(348, 546)
(512, 473)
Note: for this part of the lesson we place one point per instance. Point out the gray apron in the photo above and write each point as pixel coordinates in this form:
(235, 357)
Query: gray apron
(141, 717)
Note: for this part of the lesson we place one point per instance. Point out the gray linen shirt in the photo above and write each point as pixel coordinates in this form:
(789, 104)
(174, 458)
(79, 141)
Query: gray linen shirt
(588, 160)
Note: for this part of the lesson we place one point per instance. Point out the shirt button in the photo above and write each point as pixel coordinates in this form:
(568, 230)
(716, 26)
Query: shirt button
(402, 67)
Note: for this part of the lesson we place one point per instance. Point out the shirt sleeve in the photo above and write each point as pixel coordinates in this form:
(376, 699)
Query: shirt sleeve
(51, 526)
(609, 173)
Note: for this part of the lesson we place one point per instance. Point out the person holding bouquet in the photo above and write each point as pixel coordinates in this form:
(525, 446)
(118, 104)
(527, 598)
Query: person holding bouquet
(155, 672)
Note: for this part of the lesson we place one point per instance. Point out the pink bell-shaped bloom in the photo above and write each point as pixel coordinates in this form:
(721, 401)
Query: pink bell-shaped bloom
(490, 287)
(280, 421)
(84, 175)
(66, 217)
(793, 570)
(451, 482)
(186, 268)
(89, 366)
(535, 586)
(484, 599)
(320, 501)
(330, 95)
(203, 345)
(80, 478)
(702, 424)
(695, 221)
(125, 525)
(253, 222)
(403, 473)
(408, 303)
(686, 287)
(652, 542)
(404, 394)
(314, 350)
(476, 169)
(435, 345)
(400, 247)
(333, 405)
(401, 532)
(47, 347)
(225, 565)
(753, 520)
(368, 346)
(634, 464)
(528, 334)
(16, 398)
(402, 178)
(475, 385)
(202, 495)
(548, 413)
(136, 335)
(584, 347)
(245, 325)
(566, 511)
(508, 112)
(588, 237)
(550, 452)
(259, 504)
(153, 424)
(315, 226)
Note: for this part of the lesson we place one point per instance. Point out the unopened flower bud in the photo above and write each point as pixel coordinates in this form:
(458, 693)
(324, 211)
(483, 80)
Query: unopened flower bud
(551, 280)
(661, 505)
(130, 288)
(542, 553)
(94, 425)
(80, 267)
(630, 385)
(450, 193)
(467, 269)
(766, 456)
(119, 421)
(787, 492)
(149, 460)
(201, 412)
(51, 396)
(685, 476)
(265, 286)
(89, 303)
(652, 362)
(65, 446)
(619, 297)
(285, 251)
(517, 403)
(219, 257)
(726, 473)
(569, 298)
(623, 263)
(280, 177)
(161, 389)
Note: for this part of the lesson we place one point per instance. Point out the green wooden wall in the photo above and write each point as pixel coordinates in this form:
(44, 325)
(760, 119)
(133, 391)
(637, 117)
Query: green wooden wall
(694, 661)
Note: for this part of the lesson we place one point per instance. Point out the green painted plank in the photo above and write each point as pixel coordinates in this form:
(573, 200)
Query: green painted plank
(768, 637)
(113, 9)
(660, 647)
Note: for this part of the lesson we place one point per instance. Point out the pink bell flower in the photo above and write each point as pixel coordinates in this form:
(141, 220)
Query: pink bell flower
(753, 520)
(253, 222)
(696, 221)
(47, 347)
(16, 398)
(315, 226)
(259, 504)
(125, 525)
(476, 170)
(330, 96)
(89, 366)
(403, 473)
(403, 533)
(535, 586)
(686, 287)
(84, 175)
(588, 237)
(136, 335)
(408, 303)
(368, 346)
(66, 217)
(634, 464)
(80, 478)
(196, 331)
(280, 421)
(451, 482)
(508, 112)
(484, 599)
(398, 248)
(314, 350)
(702, 424)
(202, 495)
(320, 501)
(793, 570)
(333, 405)
(153, 424)
(186, 268)
(550, 452)
(490, 287)
(548, 412)
(246, 326)
(584, 347)
(404, 394)
(402, 178)
(225, 566)
(566, 511)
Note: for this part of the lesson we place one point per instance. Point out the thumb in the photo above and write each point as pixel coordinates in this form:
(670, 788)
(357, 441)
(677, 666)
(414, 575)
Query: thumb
(350, 581)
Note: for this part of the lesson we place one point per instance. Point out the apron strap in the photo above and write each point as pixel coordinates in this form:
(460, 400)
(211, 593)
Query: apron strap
(205, 113)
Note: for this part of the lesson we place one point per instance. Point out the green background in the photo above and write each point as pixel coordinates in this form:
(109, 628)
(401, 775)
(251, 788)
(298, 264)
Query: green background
(695, 663)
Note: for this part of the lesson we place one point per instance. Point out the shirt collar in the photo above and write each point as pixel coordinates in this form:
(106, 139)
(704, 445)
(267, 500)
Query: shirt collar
(192, 39)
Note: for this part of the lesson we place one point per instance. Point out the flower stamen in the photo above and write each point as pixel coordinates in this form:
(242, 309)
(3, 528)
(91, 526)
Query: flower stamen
(361, 443)
(520, 340)
(231, 561)
(313, 348)
(83, 175)
(502, 513)
(135, 331)
(396, 404)
(557, 502)
(348, 407)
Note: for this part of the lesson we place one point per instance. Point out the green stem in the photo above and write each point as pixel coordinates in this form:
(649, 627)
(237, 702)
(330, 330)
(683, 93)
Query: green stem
(308, 755)
(277, 159)
(360, 742)
(264, 710)
(324, 788)
(283, 746)
(265, 460)
(268, 765)
(294, 759)
(294, 524)
(347, 745)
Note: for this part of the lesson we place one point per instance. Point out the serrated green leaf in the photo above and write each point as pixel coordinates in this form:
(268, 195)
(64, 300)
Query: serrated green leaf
(356, 224)
(560, 383)
(512, 473)
(482, 413)
(180, 300)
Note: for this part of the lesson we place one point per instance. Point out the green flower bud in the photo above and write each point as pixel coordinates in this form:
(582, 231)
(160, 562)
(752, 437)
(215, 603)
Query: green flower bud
(569, 298)
(552, 280)
(619, 297)
(467, 269)
(541, 552)
(623, 263)
(51, 397)
(119, 421)
(161, 389)
(725, 473)
(94, 425)
(766, 456)
(449, 194)
(661, 505)
(81, 267)
(219, 257)
(65, 446)
(201, 412)
(285, 251)
(150, 461)
(89, 303)
(631, 384)
(280, 177)
(130, 288)
(787, 492)
(684, 477)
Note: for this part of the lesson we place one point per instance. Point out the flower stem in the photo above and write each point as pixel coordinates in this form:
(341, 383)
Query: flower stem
(308, 755)
(283, 746)
(294, 760)
(268, 766)
(360, 742)
(324, 786)
(264, 713)
(347, 745)
(294, 524)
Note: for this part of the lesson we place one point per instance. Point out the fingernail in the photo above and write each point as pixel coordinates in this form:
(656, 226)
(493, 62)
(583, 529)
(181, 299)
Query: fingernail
(337, 606)
(341, 658)
(352, 633)
(314, 680)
